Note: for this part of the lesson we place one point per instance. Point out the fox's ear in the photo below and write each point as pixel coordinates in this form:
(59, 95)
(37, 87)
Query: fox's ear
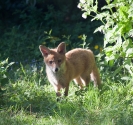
(44, 50)
(61, 48)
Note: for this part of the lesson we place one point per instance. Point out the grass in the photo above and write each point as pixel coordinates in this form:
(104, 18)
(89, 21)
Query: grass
(30, 100)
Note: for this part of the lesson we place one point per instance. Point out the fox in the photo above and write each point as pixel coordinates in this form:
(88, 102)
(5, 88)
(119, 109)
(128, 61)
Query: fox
(62, 67)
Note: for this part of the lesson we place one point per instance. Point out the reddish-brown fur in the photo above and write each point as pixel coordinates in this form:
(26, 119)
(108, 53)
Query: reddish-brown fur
(61, 67)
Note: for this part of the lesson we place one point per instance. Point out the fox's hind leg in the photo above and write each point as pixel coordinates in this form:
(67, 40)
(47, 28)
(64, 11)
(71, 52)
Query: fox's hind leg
(79, 82)
(95, 76)
(66, 89)
(85, 78)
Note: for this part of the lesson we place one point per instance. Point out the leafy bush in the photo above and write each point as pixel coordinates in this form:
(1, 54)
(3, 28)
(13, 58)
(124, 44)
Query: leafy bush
(4, 76)
(34, 25)
(4, 72)
(117, 19)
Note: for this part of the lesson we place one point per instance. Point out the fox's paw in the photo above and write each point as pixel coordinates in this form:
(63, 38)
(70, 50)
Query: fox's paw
(61, 99)
(81, 91)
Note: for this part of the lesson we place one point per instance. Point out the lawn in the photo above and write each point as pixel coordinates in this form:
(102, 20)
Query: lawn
(29, 99)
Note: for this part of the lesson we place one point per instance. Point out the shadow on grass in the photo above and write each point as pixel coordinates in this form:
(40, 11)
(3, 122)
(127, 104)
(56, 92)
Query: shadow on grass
(36, 104)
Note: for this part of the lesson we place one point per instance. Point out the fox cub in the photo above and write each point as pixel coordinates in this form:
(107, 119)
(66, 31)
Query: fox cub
(61, 67)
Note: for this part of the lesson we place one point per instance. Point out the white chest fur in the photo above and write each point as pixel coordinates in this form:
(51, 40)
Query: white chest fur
(56, 78)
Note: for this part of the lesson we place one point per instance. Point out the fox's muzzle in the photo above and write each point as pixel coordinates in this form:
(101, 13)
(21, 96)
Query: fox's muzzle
(56, 69)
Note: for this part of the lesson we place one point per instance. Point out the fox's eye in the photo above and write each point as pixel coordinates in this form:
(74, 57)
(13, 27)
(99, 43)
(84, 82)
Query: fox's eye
(59, 60)
(50, 62)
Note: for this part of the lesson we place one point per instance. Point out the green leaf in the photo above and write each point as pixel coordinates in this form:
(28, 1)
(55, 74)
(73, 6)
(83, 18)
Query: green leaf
(126, 78)
(50, 32)
(4, 81)
(128, 67)
(123, 11)
(130, 11)
(117, 70)
(100, 29)
(95, 8)
(101, 16)
(108, 7)
(111, 63)
(129, 52)
(130, 33)
(84, 15)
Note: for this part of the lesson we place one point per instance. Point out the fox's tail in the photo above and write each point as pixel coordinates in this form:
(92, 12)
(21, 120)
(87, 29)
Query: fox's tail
(95, 76)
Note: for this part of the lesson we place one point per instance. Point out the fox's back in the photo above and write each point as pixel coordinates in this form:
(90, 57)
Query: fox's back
(80, 55)
(80, 60)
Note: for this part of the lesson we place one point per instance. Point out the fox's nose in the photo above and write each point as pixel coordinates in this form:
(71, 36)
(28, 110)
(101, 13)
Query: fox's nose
(56, 69)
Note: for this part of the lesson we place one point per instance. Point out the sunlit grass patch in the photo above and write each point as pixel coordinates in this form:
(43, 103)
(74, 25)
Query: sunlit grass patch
(30, 99)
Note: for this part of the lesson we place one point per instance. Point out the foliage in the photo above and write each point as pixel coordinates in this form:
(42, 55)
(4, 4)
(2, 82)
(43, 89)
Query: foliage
(4, 73)
(117, 19)
(4, 79)
(31, 26)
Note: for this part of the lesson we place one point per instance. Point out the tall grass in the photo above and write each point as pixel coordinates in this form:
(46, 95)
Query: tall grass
(29, 99)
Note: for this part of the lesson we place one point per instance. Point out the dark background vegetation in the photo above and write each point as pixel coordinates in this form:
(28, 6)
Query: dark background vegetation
(25, 24)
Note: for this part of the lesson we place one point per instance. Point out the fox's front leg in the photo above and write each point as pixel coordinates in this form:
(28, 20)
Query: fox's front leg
(57, 90)
(66, 90)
